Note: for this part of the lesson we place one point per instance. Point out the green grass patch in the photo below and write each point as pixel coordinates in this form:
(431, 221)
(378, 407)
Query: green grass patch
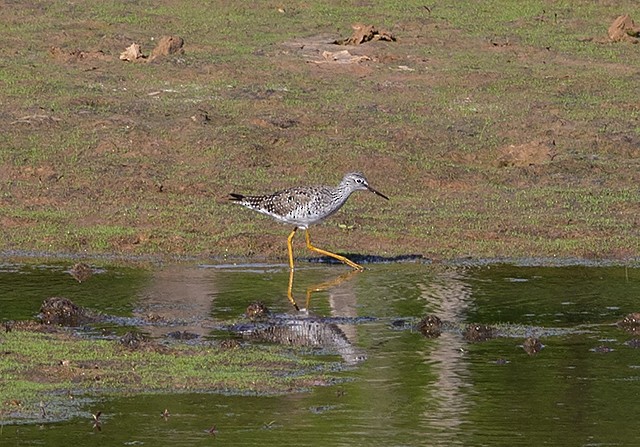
(42, 367)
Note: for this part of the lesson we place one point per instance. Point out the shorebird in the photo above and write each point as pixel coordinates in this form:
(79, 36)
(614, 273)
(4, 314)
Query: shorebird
(303, 206)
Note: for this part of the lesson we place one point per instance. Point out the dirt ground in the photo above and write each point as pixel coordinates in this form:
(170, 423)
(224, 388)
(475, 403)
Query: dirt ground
(490, 140)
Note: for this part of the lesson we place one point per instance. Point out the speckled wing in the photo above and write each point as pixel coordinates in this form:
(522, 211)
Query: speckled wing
(300, 206)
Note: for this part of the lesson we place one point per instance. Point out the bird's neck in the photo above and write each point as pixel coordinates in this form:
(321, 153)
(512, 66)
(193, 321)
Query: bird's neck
(342, 193)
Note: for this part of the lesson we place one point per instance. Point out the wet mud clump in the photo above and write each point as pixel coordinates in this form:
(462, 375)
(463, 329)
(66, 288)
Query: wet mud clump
(479, 333)
(230, 344)
(532, 345)
(631, 323)
(28, 326)
(257, 311)
(60, 311)
(430, 326)
(81, 272)
(133, 340)
(182, 335)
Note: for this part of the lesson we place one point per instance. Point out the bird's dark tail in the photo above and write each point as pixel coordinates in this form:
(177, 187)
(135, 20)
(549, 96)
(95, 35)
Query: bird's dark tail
(236, 197)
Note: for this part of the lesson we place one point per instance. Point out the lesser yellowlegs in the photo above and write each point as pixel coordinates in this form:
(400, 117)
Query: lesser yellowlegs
(303, 206)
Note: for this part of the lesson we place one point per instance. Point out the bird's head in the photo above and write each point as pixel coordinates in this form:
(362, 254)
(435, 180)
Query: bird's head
(357, 181)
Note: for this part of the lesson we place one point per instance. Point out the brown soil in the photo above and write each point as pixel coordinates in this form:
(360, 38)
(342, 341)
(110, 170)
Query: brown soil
(154, 158)
(366, 33)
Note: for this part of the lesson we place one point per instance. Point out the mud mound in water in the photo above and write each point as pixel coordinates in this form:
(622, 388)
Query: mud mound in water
(430, 326)
(630, 323)
(64, 312)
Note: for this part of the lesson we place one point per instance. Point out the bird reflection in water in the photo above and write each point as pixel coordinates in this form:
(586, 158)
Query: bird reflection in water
(317, 287)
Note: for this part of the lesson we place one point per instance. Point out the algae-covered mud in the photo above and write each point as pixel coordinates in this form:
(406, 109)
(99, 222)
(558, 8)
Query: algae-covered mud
(45, 371)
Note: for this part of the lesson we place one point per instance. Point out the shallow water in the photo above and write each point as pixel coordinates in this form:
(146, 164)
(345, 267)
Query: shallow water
(581, 389)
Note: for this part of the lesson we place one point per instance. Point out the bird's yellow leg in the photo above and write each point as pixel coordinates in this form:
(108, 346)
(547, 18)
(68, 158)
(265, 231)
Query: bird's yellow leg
(290, 291)
(333, 255)
(290, 248)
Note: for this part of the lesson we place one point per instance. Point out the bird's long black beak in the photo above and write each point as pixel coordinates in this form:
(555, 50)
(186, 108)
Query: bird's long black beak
(378, 193)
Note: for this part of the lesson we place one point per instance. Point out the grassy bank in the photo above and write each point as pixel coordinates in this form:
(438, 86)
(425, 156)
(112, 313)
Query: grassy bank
(38, 368)
(497, 129)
